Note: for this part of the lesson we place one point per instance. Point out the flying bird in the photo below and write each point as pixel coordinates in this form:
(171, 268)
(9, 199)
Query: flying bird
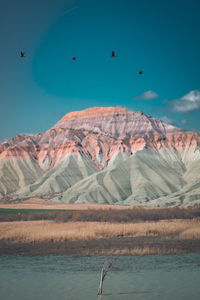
(22, 54)
(140, 72)
(113, 54)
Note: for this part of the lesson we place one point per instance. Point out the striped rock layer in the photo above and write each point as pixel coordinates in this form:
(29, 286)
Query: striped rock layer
(103, 155)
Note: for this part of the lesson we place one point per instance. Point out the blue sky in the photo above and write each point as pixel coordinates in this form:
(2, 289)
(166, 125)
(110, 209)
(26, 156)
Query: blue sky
(159, 37)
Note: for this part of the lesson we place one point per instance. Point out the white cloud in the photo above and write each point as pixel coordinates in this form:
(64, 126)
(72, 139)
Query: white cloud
(148, 95)
(167, 120)
(187, 103)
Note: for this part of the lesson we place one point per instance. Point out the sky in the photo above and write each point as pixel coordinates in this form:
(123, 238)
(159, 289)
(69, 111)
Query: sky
(159, 37)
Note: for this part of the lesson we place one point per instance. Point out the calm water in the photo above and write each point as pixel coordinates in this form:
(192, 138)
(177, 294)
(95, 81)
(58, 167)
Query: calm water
(173, 277)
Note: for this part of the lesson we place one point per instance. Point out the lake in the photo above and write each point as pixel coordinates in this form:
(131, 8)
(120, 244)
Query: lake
(77, 278)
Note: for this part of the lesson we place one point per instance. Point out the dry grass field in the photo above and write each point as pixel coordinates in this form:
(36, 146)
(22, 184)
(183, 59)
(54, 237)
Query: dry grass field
(93, 229)
(48, 231)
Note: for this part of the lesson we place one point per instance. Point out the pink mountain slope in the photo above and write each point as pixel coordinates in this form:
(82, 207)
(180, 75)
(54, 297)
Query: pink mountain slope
(85, 143)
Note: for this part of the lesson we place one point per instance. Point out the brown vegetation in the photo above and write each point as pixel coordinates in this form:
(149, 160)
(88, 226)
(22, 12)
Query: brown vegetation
(106, 214)
(46, 231)
(105, 231)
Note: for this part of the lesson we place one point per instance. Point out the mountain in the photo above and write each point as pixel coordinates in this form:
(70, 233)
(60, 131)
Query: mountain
(103, 155)
(116, 122)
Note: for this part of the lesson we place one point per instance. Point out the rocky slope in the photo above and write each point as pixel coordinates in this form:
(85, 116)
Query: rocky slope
(116, 122)
(104, 155)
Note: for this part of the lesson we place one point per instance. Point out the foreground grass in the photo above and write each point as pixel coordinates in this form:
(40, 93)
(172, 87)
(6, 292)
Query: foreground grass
(47, 231)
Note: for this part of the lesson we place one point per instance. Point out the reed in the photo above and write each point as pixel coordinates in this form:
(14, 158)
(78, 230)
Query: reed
(190, 233)
(48, 231)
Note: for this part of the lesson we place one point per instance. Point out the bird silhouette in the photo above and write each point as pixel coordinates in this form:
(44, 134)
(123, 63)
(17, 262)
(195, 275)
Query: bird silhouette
(22, 54)
(140, 72)
(113, 54)
(73, 57)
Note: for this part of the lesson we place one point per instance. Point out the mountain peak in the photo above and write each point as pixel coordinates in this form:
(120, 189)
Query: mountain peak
(94, 111)
(116, 122)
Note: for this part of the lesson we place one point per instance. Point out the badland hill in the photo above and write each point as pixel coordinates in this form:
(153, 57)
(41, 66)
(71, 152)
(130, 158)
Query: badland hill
(104, 155)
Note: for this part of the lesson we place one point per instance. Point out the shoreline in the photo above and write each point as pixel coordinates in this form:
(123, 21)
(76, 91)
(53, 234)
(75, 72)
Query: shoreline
(110, 246)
